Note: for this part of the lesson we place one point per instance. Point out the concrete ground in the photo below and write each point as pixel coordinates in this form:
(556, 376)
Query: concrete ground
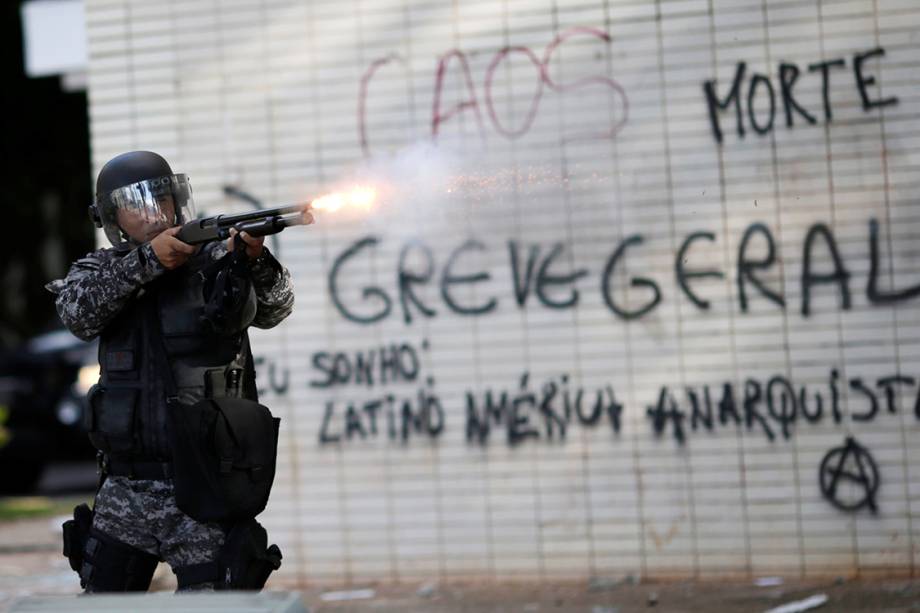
(31, 564)
(884, 597)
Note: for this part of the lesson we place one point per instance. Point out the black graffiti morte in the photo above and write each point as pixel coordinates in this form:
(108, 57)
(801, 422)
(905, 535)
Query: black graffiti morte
(854, 464)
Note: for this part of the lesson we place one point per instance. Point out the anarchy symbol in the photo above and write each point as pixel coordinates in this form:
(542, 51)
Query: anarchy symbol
(854, 464)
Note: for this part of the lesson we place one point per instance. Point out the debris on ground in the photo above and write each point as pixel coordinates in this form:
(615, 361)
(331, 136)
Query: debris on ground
(602, 584)
(812, 602)
(347, 595)
(426, 591)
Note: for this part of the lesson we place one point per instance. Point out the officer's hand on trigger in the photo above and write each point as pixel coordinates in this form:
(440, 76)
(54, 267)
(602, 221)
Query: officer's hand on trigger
(170, 251)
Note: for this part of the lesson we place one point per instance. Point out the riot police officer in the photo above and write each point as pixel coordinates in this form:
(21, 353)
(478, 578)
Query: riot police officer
(143, 298)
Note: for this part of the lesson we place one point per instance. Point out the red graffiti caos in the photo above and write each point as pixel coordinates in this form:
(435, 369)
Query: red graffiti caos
(535, 101)
(456, 60)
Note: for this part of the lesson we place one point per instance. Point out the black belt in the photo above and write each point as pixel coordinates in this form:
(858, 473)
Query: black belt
(138, 470)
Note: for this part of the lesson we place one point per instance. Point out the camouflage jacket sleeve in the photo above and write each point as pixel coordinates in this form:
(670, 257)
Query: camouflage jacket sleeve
(274, 290)
(272, 283)
(99, 285)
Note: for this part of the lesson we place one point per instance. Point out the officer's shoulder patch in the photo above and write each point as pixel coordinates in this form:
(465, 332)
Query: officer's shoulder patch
(87, 263)
(94, 259)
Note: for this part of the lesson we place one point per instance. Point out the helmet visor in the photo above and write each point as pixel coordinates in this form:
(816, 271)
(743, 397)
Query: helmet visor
(138, 212)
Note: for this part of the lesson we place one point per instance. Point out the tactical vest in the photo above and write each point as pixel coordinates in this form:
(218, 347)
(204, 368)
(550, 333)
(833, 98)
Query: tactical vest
(128, 410)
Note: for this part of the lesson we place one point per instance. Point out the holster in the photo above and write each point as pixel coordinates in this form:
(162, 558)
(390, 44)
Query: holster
(244, 562)
(76, 532)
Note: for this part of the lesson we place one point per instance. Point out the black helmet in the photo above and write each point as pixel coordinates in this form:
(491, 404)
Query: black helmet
(138, 196)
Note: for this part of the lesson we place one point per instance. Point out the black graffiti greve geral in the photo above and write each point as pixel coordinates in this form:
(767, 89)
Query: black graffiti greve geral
(539, 274)
(761, 88)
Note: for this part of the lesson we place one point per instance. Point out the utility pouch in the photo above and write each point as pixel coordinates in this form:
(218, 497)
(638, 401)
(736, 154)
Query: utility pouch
(76, 531)
(224, 454)
(111, 418)
(244, 563)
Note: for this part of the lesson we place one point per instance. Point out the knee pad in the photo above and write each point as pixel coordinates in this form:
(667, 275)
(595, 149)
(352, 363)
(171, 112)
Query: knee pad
(244, 562)
(112, 566)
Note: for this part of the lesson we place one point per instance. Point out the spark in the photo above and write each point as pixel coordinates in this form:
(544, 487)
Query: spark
(357, 198)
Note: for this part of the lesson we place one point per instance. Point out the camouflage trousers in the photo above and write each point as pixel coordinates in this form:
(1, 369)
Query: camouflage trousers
(143, 513)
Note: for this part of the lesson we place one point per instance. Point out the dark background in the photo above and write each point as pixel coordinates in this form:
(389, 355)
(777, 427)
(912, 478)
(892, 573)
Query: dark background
(47, 186)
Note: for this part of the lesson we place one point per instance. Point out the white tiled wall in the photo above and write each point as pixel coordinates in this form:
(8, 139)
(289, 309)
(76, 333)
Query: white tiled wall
(269, 97)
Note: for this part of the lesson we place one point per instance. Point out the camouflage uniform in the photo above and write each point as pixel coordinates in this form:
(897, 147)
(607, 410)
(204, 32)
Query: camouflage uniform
(100, 284)
(143, 513)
